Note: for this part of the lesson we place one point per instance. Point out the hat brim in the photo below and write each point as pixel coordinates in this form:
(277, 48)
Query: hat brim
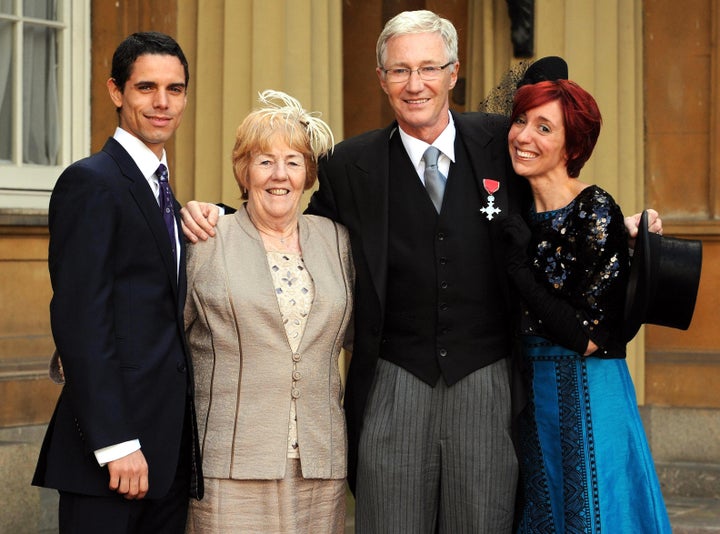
(636, 297)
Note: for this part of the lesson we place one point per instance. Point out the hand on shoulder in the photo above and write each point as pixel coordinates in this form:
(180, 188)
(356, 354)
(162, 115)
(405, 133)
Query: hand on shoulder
(199, 220)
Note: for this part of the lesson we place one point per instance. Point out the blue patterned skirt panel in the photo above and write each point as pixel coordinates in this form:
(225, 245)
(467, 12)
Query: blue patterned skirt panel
(584, 458)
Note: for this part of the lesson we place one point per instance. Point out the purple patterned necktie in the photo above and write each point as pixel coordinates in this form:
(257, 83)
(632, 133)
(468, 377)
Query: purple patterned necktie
(165, 199)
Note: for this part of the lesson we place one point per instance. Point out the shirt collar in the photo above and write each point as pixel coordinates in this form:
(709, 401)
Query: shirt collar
(415, 148)
(144, 158)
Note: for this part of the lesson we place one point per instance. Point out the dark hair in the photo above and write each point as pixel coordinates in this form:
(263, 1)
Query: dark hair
(581, 116)
(139, 44)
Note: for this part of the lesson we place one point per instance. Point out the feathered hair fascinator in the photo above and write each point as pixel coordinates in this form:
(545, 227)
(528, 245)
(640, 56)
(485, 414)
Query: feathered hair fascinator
(285, 112)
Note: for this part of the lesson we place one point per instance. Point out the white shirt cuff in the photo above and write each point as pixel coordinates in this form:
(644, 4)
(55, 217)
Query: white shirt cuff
(115, 452)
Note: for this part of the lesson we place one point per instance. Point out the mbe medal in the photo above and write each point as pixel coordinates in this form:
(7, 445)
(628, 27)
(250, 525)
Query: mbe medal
(491, 186)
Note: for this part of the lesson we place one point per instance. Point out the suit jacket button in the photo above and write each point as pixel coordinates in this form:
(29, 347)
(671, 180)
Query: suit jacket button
(181, 367)
(443, 352)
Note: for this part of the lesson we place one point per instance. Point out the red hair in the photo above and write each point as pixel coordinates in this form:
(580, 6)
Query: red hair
(581, 116)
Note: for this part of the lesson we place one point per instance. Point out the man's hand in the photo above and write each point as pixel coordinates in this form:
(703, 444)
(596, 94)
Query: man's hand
(199, 220)
(129, 475)
(654, 225)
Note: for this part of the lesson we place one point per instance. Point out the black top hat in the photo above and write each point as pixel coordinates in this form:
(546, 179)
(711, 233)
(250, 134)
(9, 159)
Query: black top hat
(546, 68)
(664, 280)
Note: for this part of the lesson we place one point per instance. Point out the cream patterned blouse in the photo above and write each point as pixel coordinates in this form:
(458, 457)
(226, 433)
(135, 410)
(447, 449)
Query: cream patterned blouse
(295, 291)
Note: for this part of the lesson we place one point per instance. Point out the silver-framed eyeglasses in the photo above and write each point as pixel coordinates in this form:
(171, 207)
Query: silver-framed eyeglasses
(426, 73)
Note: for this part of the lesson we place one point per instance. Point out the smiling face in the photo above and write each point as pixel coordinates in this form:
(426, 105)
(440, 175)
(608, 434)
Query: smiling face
(537, 141)
(276, 181)
(153, 99)
(421, 107)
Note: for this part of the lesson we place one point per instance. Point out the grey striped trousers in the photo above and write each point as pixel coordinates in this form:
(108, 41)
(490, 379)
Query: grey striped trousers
(436, 459)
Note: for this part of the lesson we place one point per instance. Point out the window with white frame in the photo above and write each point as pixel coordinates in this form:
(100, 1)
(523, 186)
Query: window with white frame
(44, 96)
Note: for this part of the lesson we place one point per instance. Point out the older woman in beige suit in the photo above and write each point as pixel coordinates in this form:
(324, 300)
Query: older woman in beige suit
(269, 303)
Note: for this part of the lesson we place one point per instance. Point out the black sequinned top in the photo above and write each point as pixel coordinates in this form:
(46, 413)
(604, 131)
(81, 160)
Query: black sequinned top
(581, 253)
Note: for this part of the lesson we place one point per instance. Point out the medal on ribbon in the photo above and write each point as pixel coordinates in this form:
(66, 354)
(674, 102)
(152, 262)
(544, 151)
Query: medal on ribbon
(491, 186)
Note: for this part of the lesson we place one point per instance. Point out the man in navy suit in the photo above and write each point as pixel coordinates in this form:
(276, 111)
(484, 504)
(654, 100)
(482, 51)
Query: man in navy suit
(121, 447)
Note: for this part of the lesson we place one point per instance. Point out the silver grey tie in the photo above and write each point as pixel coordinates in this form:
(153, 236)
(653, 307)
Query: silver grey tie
(434, 179)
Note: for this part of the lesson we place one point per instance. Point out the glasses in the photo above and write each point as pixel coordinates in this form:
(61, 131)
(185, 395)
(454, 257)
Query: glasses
(427, 73)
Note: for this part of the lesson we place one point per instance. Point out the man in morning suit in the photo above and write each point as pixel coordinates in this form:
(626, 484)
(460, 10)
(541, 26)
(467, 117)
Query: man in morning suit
(428, 396)
(121, 447)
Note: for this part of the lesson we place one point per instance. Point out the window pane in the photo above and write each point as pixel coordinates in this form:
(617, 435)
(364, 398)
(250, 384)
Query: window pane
(6, 85)
(40, 96)
(40, 9)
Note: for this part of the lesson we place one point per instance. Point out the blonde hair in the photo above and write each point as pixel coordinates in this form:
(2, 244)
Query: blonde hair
(280, 115)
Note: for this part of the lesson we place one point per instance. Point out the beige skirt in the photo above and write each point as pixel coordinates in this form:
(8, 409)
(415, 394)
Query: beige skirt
(293, 505)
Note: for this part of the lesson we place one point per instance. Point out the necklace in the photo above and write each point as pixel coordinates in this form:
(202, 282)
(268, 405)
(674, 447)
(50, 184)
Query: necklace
(281, 238)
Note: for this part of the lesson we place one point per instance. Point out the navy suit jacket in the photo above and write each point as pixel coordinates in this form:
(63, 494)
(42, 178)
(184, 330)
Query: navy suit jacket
(117, 321)
(354, 191)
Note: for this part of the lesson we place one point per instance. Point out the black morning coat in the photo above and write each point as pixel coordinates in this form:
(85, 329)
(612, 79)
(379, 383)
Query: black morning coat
(354, 186)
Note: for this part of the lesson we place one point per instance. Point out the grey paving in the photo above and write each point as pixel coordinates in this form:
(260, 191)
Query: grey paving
(693, 515)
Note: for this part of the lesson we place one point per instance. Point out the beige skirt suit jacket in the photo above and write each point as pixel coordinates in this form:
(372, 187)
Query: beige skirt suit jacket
(243, 362)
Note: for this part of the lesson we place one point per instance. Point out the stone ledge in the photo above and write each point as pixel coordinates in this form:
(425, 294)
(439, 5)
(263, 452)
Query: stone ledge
(25, 369)
(689, 479)
(678, 434)
(23, 217)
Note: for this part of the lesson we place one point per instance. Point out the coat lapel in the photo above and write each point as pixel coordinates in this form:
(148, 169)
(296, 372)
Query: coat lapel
(369, 180)
(252, 256)
(143, 196)
(321, 255)
(488, 158)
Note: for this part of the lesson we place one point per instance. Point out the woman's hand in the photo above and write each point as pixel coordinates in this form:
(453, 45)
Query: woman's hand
(654, 225)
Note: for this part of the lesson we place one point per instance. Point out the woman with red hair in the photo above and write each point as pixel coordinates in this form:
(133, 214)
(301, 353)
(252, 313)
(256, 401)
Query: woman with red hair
(584, 458)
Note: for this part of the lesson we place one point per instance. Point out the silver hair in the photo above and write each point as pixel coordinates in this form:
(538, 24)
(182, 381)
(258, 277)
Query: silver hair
(421, 21)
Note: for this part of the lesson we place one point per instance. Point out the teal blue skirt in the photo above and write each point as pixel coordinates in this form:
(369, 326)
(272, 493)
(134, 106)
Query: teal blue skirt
(584, 459)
